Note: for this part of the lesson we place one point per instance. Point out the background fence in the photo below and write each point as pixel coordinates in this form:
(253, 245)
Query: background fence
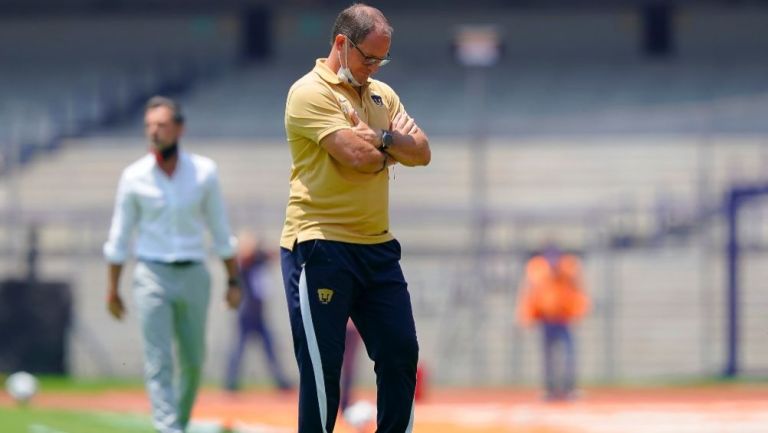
(616, 130)
(637, 210)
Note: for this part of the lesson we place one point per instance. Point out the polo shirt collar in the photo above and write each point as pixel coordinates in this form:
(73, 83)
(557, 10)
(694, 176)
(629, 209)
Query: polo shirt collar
(324, 72)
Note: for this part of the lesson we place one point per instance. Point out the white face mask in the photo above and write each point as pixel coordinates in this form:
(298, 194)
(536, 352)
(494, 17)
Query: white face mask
(344, 73)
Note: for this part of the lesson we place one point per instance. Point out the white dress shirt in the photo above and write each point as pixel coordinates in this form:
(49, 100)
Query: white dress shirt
(170, 214)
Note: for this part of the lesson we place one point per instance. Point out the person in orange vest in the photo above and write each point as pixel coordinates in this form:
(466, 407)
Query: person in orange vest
(552, 295)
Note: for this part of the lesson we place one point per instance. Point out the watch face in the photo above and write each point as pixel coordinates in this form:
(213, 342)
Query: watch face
(386, 139)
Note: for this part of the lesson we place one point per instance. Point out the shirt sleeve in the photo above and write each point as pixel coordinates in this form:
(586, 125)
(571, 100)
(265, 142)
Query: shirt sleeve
(216, 215)
(124, 218)
(314, 114)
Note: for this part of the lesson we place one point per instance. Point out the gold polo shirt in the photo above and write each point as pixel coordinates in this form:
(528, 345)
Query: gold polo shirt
(327, 200)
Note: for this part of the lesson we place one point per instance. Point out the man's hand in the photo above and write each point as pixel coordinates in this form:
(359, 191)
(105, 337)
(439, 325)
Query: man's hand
(115, 306)
(363, 130)
(411, 144)
(404, 124)
(233, 296)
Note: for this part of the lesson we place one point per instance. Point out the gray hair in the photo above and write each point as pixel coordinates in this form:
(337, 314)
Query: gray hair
(358, 21)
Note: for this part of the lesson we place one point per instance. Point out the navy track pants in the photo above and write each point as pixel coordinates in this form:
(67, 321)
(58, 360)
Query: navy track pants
(327, 282)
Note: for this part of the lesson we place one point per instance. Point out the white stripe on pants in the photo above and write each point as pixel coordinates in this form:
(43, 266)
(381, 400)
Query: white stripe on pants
(314, 350)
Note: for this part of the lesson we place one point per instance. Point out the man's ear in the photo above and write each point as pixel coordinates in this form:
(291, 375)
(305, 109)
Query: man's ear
(338, 41)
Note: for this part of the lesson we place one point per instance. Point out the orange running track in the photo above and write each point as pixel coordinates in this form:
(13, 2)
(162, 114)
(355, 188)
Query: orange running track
(710, 409)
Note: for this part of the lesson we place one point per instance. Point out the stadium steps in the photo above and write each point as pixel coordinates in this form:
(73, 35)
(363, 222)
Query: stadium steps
(72, 193)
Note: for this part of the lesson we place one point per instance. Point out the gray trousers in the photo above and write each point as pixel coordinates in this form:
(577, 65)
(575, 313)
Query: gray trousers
(172, 303)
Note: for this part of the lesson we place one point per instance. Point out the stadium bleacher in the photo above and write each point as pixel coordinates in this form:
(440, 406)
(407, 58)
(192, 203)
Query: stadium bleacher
(582, 135)
(65, 76)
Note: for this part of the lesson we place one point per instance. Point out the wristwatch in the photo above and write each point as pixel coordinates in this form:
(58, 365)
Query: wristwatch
(386, 140)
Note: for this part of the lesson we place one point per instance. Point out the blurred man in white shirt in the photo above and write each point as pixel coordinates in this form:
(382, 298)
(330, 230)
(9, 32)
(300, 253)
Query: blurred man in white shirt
(169, 197)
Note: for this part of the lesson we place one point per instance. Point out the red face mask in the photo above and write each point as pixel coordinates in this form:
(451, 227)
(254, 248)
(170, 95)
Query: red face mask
(167, 153)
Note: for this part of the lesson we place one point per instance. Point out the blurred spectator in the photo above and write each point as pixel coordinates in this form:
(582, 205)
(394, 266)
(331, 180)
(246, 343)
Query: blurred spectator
(551, 295)
(253, 261)
(349, 365)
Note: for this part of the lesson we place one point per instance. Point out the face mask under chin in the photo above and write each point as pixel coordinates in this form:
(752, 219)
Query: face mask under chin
(344, 73)
(167, 152)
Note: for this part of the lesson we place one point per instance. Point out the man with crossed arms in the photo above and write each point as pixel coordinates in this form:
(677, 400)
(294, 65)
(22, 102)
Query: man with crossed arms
(338, 256)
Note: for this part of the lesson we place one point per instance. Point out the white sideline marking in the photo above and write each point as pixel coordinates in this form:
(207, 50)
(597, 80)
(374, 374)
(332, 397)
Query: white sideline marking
(641, 418)
(41, 428)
